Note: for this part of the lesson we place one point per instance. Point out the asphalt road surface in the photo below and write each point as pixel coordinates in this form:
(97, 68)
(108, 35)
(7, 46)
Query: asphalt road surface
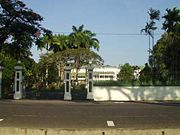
(61, 114)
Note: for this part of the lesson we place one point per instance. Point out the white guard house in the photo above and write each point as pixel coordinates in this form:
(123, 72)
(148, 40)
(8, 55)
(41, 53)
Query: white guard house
(67, 85)
(18, 82)
(90, 82)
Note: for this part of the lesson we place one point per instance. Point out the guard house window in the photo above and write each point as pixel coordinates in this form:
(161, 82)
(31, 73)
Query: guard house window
(17, 74)
(67, 86)
(90, 75)
(17, 86)
(90, 86)
(67, 76)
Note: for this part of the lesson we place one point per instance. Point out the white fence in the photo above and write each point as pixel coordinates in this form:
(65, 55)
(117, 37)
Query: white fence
(136, 93)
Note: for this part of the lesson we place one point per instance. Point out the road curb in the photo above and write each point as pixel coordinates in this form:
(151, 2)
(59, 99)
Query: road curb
(100, 131)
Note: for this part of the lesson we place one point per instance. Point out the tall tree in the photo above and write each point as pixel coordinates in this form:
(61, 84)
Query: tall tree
(81, 38)
(60, 43)
(153, 16)
(146, 75)
(126, 73)
(166, 52)
(19, 28)
(150, 27)
(78, 45)
(47, 41)
(59, 59)
(172, 21)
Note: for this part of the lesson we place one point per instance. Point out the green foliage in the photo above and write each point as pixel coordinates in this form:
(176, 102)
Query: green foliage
(146, 75)
(164, 60)
(20, 27)
(8, 64)
(150, 26)
(55, 63)
(81, 38)
(166, 52)
(77, 46)
(154, 14)
(126, 73)
(46, 64)
(172, 21)
(8, 74)
(59, 43)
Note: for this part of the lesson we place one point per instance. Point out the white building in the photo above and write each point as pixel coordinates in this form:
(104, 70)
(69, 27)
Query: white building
(105, 73)
(101, 73)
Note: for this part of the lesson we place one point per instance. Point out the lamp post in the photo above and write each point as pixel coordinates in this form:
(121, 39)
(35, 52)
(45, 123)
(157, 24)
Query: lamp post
(67, 80)
(1, 68)
(90, 81)
(18, 86)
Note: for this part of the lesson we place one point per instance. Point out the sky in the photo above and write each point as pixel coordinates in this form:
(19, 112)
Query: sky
(122, 18)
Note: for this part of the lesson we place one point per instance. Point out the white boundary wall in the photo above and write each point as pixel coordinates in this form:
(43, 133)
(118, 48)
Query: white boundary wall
(136, 93)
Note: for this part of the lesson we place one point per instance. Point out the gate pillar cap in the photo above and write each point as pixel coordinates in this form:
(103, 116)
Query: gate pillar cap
(19, 66)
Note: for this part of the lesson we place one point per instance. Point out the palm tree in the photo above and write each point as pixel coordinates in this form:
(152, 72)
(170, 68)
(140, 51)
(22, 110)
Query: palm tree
(153, 15)
(82, 39)
(45, 42)
(150, 26)
(72, 45)
(149, 30)
(60, 43)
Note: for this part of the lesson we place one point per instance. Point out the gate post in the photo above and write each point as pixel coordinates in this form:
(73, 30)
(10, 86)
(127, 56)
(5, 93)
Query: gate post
(18, 86)
(90, 82)
(1, 68)
(67, 85)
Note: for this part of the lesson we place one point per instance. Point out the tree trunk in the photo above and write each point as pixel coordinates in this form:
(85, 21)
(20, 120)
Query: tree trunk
(59, 75)
(60, 68)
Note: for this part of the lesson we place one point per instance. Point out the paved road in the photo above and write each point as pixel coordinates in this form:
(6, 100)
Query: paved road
(61, 114)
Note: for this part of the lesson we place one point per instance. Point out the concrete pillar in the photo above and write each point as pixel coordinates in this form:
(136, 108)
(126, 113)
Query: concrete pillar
(18, 86)
(1, 68)
(90, 83)
(67, 85)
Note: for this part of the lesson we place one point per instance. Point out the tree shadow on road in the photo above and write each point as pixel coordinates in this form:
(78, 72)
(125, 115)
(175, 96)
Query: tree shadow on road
(161, 103)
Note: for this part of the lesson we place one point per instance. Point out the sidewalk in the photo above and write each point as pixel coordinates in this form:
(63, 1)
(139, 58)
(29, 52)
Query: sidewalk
(29, 101)
(85, 102)
(106, 131)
